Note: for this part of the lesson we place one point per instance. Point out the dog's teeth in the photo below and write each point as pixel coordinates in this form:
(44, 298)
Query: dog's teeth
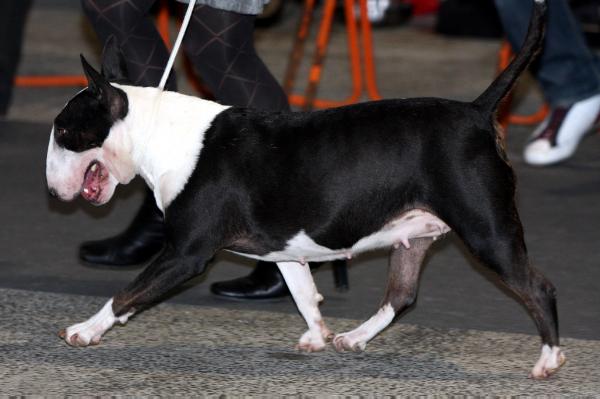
(94, 167)
(85, 190)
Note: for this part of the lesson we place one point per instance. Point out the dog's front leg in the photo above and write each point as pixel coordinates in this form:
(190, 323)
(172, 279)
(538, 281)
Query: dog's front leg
(302, 287)
(165, 273)
(90, 331)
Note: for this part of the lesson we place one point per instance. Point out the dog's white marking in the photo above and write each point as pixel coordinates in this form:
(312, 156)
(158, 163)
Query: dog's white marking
(160, 142)
(302, 287)
(356, 340)
(166, 155)
(550, 361)
(412, 224)
(65, 169)
(91, 330)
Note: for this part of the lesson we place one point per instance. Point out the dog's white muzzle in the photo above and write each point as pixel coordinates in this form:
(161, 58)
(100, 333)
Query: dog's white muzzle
(66, 173)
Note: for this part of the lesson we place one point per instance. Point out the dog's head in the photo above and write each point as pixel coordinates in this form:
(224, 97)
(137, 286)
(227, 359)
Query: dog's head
(87, 153)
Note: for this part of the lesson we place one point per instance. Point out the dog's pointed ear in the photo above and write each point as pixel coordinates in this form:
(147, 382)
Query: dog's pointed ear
(95, 80)
(114, 99)
(114, 67)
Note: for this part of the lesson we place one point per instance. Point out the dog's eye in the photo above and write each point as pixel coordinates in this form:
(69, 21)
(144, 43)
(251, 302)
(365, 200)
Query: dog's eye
(61, 131)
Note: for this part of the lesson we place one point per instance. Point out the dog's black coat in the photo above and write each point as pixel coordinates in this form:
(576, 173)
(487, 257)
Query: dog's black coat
(342, 174)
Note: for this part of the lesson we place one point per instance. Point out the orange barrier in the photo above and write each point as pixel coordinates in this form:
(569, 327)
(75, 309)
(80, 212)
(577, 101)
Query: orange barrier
(162, 22)
(505, 55)
(51, 81)
(309, 99)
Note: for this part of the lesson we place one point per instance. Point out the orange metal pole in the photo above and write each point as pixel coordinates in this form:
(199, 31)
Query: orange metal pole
(51, 81)
(80, 80)
(314, 75)
(295, 58)
(532, 119)
(162, 22)
(355, 69)
(354, 54)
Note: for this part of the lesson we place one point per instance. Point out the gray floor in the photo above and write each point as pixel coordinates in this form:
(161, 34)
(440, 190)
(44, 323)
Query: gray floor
(207, 351)
(39, 238)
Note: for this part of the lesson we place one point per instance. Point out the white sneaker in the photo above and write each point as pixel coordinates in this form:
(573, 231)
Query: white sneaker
(558, 136)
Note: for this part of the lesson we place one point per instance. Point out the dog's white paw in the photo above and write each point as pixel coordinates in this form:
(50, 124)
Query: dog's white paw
(90, 332)
(356, 340)
(79, 335)
(350, 341)
(314, 340)
(550, 361)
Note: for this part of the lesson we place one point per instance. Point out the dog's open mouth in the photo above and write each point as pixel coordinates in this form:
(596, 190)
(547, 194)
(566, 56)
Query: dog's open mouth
(93, 181)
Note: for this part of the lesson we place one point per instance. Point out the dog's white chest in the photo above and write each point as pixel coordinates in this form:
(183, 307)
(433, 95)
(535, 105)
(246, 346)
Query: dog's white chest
(413, 224)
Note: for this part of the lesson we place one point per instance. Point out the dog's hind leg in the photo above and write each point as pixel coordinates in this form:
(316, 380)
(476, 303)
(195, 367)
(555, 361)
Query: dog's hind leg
(401, 292)
(304, 291)
(163, 274)
(494, 234)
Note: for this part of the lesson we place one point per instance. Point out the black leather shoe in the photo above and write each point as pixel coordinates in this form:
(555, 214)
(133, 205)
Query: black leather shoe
(143, 239)
(264, 282)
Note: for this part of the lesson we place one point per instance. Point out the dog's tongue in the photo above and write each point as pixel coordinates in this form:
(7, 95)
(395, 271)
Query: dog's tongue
(91, 182)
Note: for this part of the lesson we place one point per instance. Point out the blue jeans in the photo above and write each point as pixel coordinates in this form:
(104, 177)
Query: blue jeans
(567, 70)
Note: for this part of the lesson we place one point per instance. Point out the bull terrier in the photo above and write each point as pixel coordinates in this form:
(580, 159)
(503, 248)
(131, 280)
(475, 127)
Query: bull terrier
(293, 188)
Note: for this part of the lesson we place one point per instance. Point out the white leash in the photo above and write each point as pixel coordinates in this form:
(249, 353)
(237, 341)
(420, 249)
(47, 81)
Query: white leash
(184, 25)
(165, 76)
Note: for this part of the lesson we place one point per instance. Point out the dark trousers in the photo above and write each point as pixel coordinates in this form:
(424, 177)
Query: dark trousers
(567, 70)
(12, 22)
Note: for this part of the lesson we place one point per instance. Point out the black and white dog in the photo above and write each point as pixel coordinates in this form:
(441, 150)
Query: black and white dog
(298, 187)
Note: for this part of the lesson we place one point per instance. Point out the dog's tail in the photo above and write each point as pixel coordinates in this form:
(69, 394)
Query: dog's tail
(488, 101)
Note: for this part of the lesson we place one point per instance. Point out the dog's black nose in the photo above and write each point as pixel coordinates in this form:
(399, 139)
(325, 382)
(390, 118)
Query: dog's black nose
(52, 192)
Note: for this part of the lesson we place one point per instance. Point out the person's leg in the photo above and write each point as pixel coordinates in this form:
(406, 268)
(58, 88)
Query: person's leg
(129, 22)
(220, 45)
(13, 14)
(146, 57)
(569, 76)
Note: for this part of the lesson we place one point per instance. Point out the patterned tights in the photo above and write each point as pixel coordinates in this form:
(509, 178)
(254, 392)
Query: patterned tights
(219, 44)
